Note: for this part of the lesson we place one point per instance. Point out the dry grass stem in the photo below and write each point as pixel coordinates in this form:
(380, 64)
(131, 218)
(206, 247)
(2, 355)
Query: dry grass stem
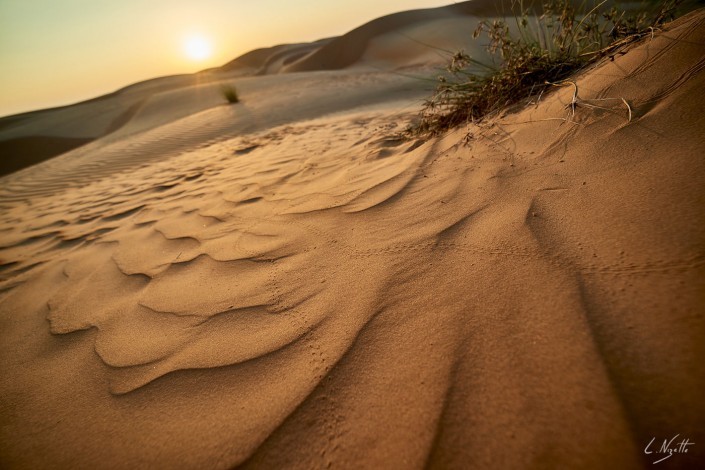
(540, 50)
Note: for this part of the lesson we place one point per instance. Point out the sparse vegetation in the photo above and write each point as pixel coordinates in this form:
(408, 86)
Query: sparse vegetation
(533, 51)
(230, 94)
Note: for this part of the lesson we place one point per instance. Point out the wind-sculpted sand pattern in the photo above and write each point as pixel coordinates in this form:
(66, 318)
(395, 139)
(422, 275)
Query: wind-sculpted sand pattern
(160, 130)
(323, 295)
(199, 260)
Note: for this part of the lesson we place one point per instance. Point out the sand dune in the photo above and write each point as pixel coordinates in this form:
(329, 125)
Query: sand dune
(403, 32)
(285, 284)
(348, 49)
(401, 40)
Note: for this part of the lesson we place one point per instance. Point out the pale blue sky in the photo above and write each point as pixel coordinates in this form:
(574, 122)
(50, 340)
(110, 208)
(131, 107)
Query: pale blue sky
(55, 52)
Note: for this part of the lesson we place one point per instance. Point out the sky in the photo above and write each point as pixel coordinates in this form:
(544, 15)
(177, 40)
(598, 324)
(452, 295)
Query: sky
(57, 52)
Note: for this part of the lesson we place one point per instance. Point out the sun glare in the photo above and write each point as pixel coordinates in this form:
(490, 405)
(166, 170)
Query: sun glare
(197, 48)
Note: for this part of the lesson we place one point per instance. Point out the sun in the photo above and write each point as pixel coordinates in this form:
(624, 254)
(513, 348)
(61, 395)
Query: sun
(197, 48)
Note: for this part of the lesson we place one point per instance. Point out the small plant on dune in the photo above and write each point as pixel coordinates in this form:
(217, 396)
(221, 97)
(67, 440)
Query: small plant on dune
(230, 94)
(533, 52)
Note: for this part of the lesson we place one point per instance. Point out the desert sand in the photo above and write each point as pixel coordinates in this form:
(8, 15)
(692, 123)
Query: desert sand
(286, 283)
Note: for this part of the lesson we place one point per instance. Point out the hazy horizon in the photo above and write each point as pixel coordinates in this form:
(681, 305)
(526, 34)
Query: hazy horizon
(54, 55)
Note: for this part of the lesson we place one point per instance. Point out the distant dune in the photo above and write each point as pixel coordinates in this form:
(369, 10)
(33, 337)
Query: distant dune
(416, 40)
(288, 283)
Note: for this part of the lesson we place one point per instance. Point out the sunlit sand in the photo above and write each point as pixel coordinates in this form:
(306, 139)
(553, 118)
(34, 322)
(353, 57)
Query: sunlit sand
(286, 283)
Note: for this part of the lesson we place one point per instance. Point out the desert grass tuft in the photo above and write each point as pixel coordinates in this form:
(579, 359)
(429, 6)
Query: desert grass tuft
(230, 94)
(534, 51)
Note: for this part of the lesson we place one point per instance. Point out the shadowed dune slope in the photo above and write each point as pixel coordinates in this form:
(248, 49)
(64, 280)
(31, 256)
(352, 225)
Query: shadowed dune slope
(257, 62)
(346, 50)
(25, 151)
(286, 284)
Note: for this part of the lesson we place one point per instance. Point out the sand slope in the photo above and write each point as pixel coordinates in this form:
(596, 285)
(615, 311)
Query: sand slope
(283, 284)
